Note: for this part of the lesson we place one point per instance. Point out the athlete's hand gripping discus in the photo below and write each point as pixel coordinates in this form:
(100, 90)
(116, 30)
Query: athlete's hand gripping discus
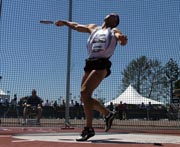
(47, 22)
(57, 23)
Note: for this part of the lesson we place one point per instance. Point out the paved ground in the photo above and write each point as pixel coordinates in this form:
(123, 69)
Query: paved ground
(65, 137)
(126, 133)
(101, 138)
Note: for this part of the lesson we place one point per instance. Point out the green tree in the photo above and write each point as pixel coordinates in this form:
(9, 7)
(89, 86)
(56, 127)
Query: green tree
(146, 76)
(135, 73)
(172, 74)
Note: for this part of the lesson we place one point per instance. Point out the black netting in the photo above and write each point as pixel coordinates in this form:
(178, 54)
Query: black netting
(34, 56)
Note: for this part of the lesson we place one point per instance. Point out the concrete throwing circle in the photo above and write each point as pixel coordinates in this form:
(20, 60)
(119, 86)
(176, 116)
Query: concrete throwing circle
(115, 138)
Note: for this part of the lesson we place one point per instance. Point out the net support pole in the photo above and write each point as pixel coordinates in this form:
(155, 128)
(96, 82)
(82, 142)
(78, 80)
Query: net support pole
(67, 123)
(0, 8)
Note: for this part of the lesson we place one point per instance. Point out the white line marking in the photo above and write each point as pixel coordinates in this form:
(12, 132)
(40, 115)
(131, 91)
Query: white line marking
(22, 140)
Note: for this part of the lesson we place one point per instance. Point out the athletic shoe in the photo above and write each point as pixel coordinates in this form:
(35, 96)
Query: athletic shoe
(108, 121)
(86, 134)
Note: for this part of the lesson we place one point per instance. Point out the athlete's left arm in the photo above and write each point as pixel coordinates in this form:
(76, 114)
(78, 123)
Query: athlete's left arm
(122, 39)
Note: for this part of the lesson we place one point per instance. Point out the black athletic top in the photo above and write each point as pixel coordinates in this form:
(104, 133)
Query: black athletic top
(34, 101)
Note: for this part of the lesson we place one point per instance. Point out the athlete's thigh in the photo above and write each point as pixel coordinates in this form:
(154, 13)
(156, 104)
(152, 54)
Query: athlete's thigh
(85, 76)
(93, 80)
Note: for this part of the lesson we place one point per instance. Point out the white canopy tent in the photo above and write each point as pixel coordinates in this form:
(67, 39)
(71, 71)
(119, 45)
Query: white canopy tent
(3, 96)
(2, 92)
(131, 96)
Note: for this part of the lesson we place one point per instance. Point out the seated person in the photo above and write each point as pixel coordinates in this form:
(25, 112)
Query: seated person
(33, 104)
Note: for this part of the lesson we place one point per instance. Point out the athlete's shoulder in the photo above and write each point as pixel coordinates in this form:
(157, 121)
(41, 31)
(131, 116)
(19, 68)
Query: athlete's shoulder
(91, 27)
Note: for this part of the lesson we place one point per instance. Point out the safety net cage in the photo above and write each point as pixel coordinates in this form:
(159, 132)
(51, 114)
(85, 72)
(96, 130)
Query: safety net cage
(37, 55)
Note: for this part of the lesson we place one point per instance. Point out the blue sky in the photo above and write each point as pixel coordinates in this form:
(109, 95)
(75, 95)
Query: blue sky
(33, 55)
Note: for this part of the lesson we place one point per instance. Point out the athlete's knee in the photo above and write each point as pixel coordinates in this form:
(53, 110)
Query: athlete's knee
(85, 94)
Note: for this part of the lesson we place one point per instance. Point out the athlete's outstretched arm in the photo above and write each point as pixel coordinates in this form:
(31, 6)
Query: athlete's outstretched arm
(75, 26)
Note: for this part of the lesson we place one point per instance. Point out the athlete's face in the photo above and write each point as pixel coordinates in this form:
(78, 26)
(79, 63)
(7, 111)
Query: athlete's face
(111, 20)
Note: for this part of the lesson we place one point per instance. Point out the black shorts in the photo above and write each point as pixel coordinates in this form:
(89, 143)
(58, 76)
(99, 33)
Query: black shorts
(98, 64)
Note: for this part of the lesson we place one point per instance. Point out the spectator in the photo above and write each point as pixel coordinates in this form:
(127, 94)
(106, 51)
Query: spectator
(120, 110)
(6, 102)
(72, 103)
(47, 103)
(12, 106)
(111, 107)
(55, 108)
(33, 104)
(1, 101)
(125, 108)
(62, 109)
(178, 113)
(63, 103)
(55, 104)
(149, 109)
(71, 109)
(14, 101)
(77, 110)
(142, 106)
